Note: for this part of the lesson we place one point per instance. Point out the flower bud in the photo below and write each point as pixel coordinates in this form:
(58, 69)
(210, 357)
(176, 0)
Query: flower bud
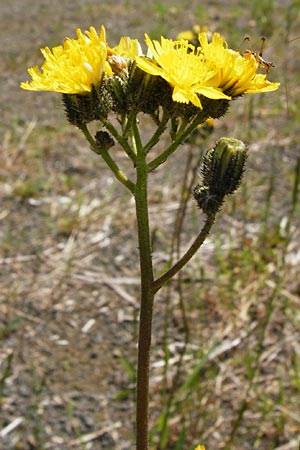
(76, 109)
(117, 86)
(209, 202)
(147, 92)
(104, 140)
(84, 108)
(214, 108)
(222, 172)
(224, 165)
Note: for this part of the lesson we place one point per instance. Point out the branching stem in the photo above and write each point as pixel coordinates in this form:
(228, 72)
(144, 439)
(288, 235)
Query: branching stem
(109, 161)
(187, 256)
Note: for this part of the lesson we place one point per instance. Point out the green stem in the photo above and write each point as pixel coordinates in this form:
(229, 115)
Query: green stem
(127, 125)
(109, 161)
(120, 139)
(158, 132)
(187, 256)
(137, 141)
(147, 298)
(180, 137)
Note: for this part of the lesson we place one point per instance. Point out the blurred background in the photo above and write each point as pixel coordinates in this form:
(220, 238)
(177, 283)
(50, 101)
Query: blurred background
(226, 341)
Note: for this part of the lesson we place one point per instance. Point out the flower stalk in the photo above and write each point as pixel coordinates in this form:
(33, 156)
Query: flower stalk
(146, 301)
(120, 176)
(181, 135)
(161, 281)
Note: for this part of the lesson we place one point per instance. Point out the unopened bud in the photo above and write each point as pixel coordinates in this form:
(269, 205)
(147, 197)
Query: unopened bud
(206, 200)
(214, 108)
(224, 165)
(222, 172)
(117, 88)
(146, 92)
(104, 140)
(84, 108)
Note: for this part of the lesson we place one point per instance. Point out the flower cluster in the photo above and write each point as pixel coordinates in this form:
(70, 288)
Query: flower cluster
(172, 73)
(237, 74)
(80, 64)
(184, 68)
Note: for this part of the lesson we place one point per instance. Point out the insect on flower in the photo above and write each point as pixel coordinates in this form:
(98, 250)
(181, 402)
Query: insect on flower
(266, 65)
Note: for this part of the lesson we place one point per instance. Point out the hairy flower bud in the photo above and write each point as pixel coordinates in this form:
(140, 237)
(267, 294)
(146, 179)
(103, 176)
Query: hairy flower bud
(222, 171)
(104, 140)
(84, 108)
(209, 202)
(117, 88)
(146, 92)
(214, 108)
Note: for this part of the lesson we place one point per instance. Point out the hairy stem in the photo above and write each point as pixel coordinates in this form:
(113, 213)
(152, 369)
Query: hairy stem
(109, 161)
(187, 256)
(182, 134)
(120, 139)
(147, 298)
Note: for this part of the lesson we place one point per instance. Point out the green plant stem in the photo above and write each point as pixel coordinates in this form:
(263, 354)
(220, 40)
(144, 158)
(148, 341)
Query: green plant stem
(158, 132)
(137, 143)
(147, 298)
(128, 123)
(184, 132)
(159, 282)
(120, 139)
(109, 161)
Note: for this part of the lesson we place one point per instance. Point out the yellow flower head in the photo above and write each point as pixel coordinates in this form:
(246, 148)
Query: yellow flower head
(126, 51)
(238, 75)
(73, 68)
(200, 447)
(127, 48)
(179, 63)
(81, 63)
